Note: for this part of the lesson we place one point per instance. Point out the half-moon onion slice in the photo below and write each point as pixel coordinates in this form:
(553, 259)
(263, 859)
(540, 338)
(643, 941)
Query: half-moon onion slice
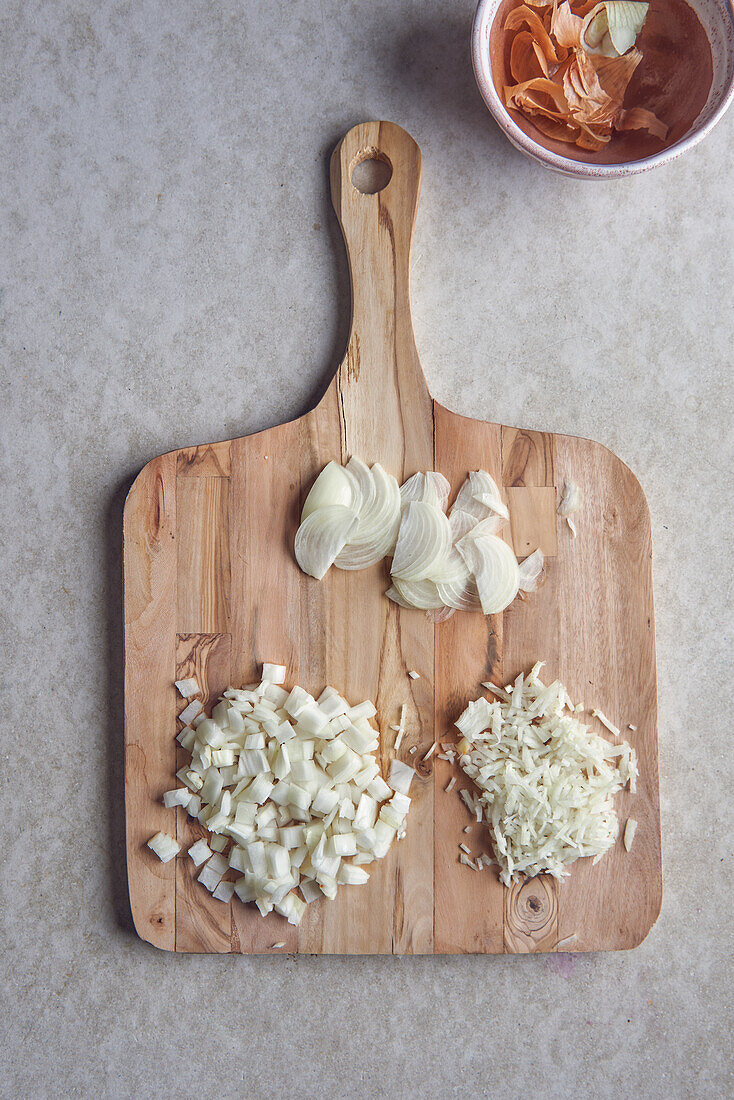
(321, 536)
(420, 594)
(334, 485)
(495, 569)
(431, 487)
(461, 593)
(424, 540)
(379, 519)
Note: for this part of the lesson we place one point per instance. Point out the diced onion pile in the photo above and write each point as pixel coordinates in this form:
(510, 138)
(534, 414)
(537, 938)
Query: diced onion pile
(290, 793)
(546, 782)
(353, 517)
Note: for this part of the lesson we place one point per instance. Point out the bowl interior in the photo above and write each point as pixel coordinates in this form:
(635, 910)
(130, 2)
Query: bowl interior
(686, 72)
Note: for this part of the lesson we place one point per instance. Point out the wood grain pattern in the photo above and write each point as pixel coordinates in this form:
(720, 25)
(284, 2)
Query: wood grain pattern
(469, 649)
(202, 540)
(210, 460)
(265, 601)
(149, 533)
(212, 589)
(531, 909)
(533, 519)
(202, 924)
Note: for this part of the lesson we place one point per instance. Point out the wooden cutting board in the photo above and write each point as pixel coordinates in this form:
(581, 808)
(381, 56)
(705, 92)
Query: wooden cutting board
(212, 590)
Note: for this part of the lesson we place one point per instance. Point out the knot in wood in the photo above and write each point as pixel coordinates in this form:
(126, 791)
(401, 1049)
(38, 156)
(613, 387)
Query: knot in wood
(532, 905)
(424, 768)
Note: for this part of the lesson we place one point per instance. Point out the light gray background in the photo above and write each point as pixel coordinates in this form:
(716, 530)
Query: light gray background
(172, 274)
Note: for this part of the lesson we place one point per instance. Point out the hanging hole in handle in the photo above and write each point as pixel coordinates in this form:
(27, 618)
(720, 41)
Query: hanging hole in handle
(371, 171)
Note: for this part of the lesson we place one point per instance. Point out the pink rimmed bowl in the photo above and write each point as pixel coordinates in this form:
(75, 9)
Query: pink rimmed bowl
(691, 108)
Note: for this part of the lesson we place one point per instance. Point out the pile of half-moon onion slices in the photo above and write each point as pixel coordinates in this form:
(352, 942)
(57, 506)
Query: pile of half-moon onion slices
(442, 562)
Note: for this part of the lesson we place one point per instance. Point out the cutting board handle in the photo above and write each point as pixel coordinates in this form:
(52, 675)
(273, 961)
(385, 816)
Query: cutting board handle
(380, 381)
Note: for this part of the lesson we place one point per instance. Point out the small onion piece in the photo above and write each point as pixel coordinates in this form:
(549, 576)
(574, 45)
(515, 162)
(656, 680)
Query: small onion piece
(461, 523)
(379, 519)
(486, 491)
(480, 496)
(571, 498)
(400, 777)
(455, 582)
(334, 485)
(530, 571)
(424, 540)
(492, 525)
(321, 536)
(365, 480)
(466, 503)
(450, 569)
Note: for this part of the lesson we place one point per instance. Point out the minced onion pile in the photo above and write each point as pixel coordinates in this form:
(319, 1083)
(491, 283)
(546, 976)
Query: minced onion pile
(546, 782)
(293, 782)
(355, 516)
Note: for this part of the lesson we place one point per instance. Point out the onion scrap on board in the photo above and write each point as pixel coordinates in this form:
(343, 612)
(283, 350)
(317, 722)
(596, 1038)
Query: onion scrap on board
(572, 63)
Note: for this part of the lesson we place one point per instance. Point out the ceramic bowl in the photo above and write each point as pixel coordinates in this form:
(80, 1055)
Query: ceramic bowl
(629, 153)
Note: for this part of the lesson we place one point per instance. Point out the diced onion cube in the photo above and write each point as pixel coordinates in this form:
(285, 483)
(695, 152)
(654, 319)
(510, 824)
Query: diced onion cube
(190, 712)
(325, 801)
(222, 758)
(349, 875)
(278, 860)
(164, 846)
(366, 813)
(210, 878)
(259, 790)
(384, 836)
(178, 797)
(224, 891)
(187, 688)
(401, 776)
(310, 890)
(344, 844)
(298, 797)
(199, 852)
(292, 836)
(367, 709)
(378, 789)
(356, 739)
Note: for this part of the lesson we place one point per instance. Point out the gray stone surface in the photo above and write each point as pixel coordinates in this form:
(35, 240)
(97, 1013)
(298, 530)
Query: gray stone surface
(172, 274)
